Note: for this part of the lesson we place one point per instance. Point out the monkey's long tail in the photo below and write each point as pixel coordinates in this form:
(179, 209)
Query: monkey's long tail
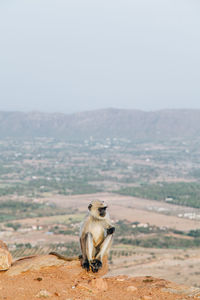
(66, 258)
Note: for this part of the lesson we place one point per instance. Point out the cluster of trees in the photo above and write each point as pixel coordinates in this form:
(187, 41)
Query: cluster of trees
(181, 193)
(162, 242)
(128, 233)
(14, 210)
(124, 228)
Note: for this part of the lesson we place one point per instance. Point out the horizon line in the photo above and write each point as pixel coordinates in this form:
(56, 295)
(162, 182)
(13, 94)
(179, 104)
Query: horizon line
(95, 110)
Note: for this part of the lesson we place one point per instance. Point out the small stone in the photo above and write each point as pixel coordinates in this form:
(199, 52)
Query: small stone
(148, 280)
(131, 288)
(5, 259)
(38, 279)
(43, 294)
(100, 284)
(3, 245)
(84, 287)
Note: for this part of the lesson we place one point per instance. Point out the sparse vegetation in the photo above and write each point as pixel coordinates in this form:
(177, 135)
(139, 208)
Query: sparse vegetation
(182, 193)
(15, 210)
(161, 241)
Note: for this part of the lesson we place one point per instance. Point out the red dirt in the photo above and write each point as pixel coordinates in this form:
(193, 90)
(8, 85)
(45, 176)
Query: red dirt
(52, 278)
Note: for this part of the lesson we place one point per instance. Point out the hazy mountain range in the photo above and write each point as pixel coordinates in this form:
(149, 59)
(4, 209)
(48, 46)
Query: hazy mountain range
(119, 123)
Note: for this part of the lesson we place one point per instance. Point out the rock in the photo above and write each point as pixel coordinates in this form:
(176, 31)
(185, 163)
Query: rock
(100, 284)
(5, 257)
(43, 294)
(85, 286)
(34, 263)
(3, 245)
(121, 278)
(146, 298)
(131, 288)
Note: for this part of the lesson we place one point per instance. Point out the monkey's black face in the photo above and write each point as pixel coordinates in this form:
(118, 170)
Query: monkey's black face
(102, 211)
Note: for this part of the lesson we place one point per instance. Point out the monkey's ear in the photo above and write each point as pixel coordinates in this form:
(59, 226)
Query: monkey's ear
(90, 206)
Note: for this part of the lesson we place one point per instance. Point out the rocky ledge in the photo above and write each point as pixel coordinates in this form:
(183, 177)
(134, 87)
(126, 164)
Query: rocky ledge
(5, 257)
(52, 278)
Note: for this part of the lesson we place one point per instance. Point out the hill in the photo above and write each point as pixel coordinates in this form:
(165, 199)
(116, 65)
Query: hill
(48, 277)
(112, 123)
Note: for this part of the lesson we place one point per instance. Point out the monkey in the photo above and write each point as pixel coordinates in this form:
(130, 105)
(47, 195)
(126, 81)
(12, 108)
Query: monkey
(96, 235)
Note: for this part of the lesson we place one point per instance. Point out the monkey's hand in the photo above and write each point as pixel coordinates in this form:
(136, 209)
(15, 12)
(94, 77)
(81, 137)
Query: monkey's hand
(110, 230)
(95, 265)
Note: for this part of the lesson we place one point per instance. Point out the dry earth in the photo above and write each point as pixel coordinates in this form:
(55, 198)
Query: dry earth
(51, 278)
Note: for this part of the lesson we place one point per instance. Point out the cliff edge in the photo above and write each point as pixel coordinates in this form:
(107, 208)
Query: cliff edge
(52, 278)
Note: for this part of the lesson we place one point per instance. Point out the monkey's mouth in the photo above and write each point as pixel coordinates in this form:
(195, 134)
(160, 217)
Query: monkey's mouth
(102, 211)
(102, 214)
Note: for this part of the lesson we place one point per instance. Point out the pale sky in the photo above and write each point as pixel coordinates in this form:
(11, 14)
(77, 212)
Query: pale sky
(76, 55)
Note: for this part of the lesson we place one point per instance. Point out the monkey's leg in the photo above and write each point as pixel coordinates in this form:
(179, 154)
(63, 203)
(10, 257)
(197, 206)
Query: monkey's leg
(90, 252)
(87, 250)
(89, 246)
(84, 260)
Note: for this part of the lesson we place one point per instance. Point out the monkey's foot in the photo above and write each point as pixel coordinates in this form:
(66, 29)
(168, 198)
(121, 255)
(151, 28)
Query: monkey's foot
(86, 265)
(95, 265)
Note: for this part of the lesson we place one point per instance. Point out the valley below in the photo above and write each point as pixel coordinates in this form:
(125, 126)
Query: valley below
(152, 190)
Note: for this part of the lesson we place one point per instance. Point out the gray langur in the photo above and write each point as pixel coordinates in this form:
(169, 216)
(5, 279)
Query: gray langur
(96, 235)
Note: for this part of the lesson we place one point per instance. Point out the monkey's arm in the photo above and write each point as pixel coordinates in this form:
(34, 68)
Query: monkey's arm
(66, 258)
(110, 229)
(105, 247)
(106, 244)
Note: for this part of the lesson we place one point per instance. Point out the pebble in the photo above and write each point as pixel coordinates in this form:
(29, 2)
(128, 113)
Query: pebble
(131, 288)
(38, 278)
(5, 259)
(85, 287)
(100, 284)
(43, 294)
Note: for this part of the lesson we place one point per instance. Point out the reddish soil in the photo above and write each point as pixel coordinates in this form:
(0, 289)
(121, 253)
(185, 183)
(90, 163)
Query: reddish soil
(51, 278)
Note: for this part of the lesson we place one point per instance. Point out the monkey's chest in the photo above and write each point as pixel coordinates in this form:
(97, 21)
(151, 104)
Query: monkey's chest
(97, 233)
